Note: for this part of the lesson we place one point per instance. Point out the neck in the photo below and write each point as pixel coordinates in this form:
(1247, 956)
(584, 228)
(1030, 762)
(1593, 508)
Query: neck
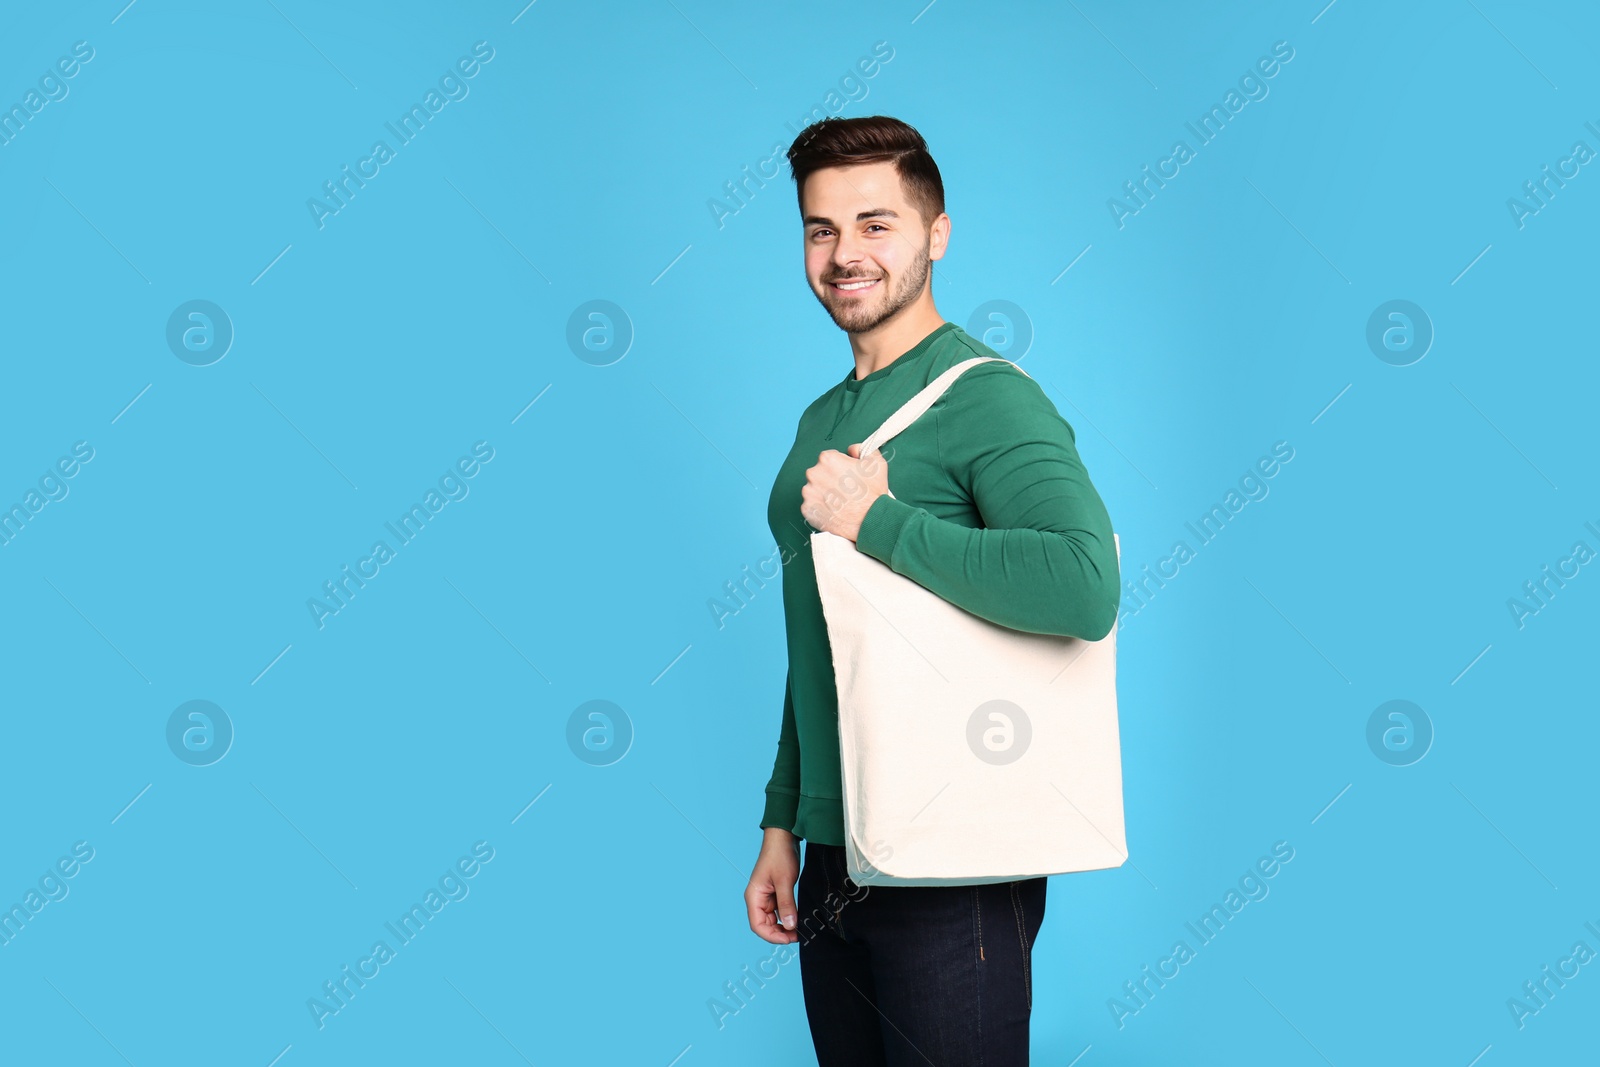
(893, 338)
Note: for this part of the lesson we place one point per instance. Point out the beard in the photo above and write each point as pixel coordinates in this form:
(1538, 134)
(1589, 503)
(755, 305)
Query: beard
(854, 315)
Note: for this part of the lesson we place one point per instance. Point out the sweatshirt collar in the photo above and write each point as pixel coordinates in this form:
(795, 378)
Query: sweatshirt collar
(852, 383)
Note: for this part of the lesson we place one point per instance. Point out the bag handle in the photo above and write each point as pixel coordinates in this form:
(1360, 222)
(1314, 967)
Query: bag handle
(913, 409)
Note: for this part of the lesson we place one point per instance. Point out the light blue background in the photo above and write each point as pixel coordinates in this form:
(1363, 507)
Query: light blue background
(1228, 314)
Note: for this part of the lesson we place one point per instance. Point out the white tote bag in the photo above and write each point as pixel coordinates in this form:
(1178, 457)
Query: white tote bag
(971, 752)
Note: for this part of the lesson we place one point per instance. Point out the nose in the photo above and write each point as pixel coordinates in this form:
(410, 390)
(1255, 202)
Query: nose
(847, 253)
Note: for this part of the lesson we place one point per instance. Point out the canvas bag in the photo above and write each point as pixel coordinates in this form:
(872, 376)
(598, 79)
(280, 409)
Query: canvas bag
(971, 752)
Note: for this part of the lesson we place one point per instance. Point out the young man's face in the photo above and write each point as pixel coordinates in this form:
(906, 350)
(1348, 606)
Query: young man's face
(860, 228)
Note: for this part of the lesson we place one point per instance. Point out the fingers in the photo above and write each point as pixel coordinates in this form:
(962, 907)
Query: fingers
(786, 909)
(755, 899)
(761, 901)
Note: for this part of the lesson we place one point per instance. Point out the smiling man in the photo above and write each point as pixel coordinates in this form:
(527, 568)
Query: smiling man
(993, 511)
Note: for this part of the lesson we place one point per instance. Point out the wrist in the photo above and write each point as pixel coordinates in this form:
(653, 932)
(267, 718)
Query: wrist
(881, 526)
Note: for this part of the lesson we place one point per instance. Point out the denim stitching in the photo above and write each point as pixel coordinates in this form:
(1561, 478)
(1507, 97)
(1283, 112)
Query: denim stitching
(1022, 939)
(842, 896)
(977, 904)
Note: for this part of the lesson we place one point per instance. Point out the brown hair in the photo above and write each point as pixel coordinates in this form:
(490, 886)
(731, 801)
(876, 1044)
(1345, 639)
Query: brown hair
(836, 142)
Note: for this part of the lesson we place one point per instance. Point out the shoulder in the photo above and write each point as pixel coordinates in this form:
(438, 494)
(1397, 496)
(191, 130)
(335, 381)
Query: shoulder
(998, 381)
(995, 392)
(822, 401)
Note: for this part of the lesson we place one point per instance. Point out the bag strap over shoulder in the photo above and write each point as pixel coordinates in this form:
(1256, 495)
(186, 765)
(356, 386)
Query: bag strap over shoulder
(912, 409)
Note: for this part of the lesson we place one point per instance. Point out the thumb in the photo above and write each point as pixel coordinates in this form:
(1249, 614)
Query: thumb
(786, 908)
(855, 450)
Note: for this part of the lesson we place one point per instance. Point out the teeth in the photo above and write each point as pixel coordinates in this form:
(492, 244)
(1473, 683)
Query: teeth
(854, 285)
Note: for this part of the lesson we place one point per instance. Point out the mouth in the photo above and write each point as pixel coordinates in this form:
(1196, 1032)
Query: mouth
(854, 285)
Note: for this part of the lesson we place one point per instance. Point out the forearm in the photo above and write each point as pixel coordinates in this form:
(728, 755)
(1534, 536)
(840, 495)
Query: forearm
(1040, 581)
(783, 788)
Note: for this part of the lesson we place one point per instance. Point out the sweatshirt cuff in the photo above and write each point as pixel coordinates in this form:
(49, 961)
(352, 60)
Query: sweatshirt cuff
(881, 526)
(781, 810)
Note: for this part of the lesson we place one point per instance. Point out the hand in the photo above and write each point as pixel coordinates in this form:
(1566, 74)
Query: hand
(770, 894)
(840, 489)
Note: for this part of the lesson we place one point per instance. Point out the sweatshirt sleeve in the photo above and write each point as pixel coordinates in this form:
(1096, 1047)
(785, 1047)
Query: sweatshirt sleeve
(1044, 560)
(783, 789)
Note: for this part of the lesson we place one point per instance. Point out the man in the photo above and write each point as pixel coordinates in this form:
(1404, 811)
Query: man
(993, 511)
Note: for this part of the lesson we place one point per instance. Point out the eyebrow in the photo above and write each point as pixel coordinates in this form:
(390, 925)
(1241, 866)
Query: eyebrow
(872, 213)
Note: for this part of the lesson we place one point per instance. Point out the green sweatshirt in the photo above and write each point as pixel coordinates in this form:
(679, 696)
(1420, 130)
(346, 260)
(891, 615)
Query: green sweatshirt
(992, 510)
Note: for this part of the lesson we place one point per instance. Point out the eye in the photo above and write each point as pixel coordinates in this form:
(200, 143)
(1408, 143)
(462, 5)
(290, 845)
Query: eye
(877, 225)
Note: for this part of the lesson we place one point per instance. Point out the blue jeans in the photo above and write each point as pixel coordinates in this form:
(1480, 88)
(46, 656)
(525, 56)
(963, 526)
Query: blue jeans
(896, 976)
